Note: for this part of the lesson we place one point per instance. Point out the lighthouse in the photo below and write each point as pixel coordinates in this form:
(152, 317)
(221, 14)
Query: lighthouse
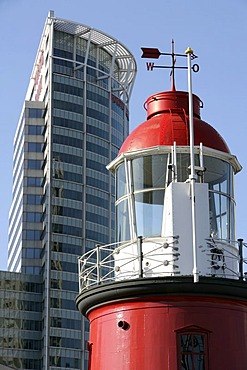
(170, 293)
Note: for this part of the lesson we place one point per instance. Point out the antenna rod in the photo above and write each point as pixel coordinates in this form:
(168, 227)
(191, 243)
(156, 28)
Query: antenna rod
(173, 67)
(193, 175)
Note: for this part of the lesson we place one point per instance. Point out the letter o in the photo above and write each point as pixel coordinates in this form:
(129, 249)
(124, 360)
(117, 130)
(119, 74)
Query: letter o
(195, 68)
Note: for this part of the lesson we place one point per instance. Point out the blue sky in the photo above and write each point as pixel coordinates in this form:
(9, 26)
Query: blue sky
(216, 30)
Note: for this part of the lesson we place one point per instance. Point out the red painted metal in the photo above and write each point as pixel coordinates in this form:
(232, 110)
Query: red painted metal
(149, 341)
(153, 53)
(167, 121)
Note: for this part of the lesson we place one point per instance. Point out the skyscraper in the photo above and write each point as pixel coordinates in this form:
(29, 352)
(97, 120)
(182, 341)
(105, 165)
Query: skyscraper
(74, 120)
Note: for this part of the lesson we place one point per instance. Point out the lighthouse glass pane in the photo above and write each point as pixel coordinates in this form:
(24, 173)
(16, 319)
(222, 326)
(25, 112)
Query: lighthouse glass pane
(219, 176)
(183, 166)
(149, 172)
(149, 211)
(123, 225)
(221, 216)
(121, 181)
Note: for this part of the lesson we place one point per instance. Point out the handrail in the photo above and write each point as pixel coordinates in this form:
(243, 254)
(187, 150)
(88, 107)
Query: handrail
(103, 265)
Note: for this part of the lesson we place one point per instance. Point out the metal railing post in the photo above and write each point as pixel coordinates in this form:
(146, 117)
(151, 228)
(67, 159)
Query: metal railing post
(79, 272)
(98, 256)
(241, 259)
(140, 255)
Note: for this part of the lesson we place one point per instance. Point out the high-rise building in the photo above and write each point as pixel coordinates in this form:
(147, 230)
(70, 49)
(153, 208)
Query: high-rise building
(74, 120)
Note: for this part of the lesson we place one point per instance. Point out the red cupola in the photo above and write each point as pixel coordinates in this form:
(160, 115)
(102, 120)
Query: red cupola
(168, 122)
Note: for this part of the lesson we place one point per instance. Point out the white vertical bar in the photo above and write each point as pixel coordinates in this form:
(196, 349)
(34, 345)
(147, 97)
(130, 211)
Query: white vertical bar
(193, 176)
(175, 173)
(201, 156)
(131, 206)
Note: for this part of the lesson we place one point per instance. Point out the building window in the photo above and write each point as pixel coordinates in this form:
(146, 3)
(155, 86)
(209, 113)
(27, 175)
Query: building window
(34, 147)
(33, 199)
(32, 234)
(192, 350)
(35, 130)
(36, 113)
(32, 216)
(34, 164)
(34, 181)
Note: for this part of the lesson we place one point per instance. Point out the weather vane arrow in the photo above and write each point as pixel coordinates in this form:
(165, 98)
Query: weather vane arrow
(154, 53)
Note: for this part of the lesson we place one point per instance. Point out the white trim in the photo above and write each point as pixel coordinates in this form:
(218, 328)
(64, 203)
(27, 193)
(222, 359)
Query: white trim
(230, 158)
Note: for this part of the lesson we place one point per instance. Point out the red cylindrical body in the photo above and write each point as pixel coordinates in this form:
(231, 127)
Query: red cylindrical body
(151, 337)
(143, 324)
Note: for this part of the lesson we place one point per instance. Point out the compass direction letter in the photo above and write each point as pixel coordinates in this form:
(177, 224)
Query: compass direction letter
(150, 66)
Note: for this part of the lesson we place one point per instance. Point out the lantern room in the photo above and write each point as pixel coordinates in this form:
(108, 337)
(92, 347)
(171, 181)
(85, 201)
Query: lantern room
(153, 199)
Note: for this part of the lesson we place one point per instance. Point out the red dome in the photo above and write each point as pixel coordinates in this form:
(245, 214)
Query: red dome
(168, 121)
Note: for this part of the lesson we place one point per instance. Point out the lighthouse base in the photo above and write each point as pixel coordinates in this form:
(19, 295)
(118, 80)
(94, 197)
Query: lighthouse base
(167, 323)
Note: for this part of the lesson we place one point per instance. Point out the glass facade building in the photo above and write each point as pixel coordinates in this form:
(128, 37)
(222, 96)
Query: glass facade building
(74, 120)
(20, 320)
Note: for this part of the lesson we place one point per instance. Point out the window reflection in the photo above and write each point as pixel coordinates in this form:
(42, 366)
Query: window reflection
(123, 231)
(149, 211)
(192, 351)
(183, 166)
(121, 181)
(150, 172)
(219, 176)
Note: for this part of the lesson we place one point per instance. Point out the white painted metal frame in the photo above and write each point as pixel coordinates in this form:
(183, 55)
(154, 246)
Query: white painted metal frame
(120, 54)
(179, 149)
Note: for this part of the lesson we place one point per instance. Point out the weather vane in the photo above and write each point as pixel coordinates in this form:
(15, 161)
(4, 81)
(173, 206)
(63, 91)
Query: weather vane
(154, 53)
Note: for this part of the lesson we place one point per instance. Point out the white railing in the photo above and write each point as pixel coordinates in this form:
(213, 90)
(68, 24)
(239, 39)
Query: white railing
(132, 260)
(223, 260)
(128, 260)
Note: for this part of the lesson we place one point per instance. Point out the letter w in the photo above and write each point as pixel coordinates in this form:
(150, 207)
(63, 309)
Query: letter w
(150, 66)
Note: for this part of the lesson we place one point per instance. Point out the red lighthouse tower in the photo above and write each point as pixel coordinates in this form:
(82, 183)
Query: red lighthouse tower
(170, 293)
